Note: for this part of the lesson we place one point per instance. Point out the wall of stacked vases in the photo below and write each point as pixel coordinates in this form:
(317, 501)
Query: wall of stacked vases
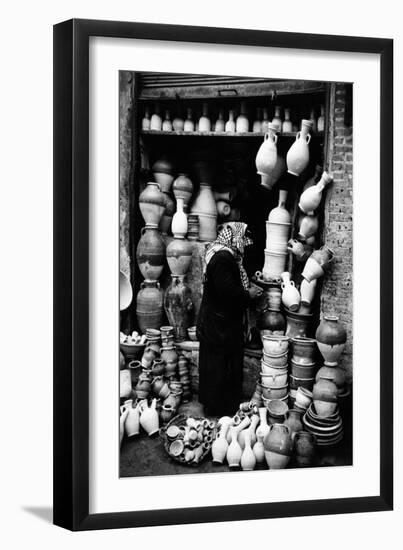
(300, 382)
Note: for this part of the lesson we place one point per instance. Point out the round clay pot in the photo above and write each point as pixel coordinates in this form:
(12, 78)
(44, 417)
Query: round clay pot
(274, 392)
(297, 323)
(293, 421)
(271, 321)
(179, 256)
(149, 305)
(275, 360)
(304, 448)
(169, 355)
(331, 337)
(150, 253)
(275, 344)
(152, 203)
(303, 350)
(304, 370)
(303, 398)
(132, 351)
(325, 397)
(335, 374)
(269, 370)
(277, 410)
(274, 380)
(277, 446)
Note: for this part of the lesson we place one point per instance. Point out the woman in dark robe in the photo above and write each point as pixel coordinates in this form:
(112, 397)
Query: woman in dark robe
(220, 324)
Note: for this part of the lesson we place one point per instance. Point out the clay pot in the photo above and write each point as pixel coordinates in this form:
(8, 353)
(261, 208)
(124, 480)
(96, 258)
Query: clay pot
(308, 226)
(303, 350)
(223, 209)
(219, 447)
(307, 290)
(298, 154)
(335, 374)
(183, 189)
(125, 390)
(166, 220)
(277, 237)
(275, 345)
(149, 305)
(248, 460)
(272, 322)
(149, 417)
(278, 446)
(205, 207)
(266, 157)
(277, 410)
(303, 370)
(268, 370)
(272, 297)
(325, 397)
(290, 295)
(125, 291)
(300, 250)
(274, 265)
(306, 383)
(135, 368)
(178, 306)
(274, 380)
(150, 253)
(169, 355)
(152, 203)
(143, 386)
(269, 180)
(303, 398)
(179, 256)
(304, 448)
(297, 323)
(275, 360)
(280, 214)
(286, 127)
(293, 421)
(157, 368)
(274, 392)
(331, 337)
(311, 197)
(317, 263)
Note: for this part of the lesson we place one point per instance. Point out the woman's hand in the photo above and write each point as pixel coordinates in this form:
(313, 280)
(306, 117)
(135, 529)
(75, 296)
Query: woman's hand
(254, 291)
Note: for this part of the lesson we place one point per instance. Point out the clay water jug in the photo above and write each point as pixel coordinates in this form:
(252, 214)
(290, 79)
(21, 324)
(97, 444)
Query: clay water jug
(242, 122)
(278, 446)
(183, 189)
(331, 337)
(321, 119)
(301, 251)
(163, 172)
(248, 460)
(125, 384)
(132, 424)
(167, 124)
(276, 121)
(122, 421)
(149, 417)
(178, 306)
(307, 290)
(204, 121)
(150, 253)
(220, 123)
(308, 226)
(287, 124)
(125, 291)
(266, 157)
(179, 224)
(293, 421)
(298, 154)
(179, 256)
(152, 203)
(166, 220)
(311, 197)
(304, 448)
(258, 449)
(178, 124)
(230, 124)
(265, 121)
(149, 305)
(271, 322)
(189, 125)
(290, 296)
(156, 121)
(317, 263)
(335, 374)
(143, 386)
(146, 122)
(234, 451)
(257, 123)
(219, 447)
(205, 207)
(325, 397)
(263, 428)
(269, 180)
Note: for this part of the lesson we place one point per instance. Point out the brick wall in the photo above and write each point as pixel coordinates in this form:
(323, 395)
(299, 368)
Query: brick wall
(337, 291)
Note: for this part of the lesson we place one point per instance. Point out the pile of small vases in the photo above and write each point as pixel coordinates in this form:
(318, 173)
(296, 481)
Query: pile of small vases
(248, 441)
(187, 439)
(161, 376)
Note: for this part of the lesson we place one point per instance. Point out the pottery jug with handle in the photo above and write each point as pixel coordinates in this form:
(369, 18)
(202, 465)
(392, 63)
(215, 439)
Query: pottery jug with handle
(307, 290)
(298, 154)
(290, 296)
(331, 337)
(311, 197)
(266, 157)
(278, 446)
(149, 418)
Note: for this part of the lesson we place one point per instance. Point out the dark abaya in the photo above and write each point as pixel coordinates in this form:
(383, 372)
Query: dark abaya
(220, 332)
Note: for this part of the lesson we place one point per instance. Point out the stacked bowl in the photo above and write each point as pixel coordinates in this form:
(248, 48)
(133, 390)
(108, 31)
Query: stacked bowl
(328, 430)
(274, 373)
(303, 364)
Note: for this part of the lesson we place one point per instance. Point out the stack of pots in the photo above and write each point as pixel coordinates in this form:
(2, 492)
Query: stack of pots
(277, 233)
(163, 172)
(331, 337)
(303, 367)
(150, 256)
(270, 319)
(274, 373)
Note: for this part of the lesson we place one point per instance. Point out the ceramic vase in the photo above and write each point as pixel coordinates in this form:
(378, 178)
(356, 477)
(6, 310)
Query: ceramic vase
(149, 418)
(183, 189)
(189, 124)
(220, 123)
(298, 154)
(243, 424)
(156, 120)
(150, 253)
(179, 256)
(204, 121)
(152, 204)
(179, 224)
(325, 397)
(311, 197)
(143, 386)
(321, 119)
(219, 447)
(301, 251)
(166, 219)
(293, 421)
(307, 290)
(178, 124)
(278, 446)
(167, 124)
(146, 122)
(266, 157)
(163, 172)
(234, 451)
(258, 450)
(308, 226)
(263, 428)
(276, 122)
(287, 124)
(230, 125)
(149, 305)
(317, 263)
(290, 296)
(205, 207)
(331, 337)
(242, 122)
(248, 460)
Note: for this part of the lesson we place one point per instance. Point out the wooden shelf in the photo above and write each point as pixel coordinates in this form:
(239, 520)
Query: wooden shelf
(221, 134)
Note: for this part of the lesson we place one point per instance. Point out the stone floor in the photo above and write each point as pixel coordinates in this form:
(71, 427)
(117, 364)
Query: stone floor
(146, 456)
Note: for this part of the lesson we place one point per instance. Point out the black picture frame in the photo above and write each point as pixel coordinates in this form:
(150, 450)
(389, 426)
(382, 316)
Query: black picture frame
(71, 273)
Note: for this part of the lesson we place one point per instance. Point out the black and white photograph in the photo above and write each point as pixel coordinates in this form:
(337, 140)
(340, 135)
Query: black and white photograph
(236, 273)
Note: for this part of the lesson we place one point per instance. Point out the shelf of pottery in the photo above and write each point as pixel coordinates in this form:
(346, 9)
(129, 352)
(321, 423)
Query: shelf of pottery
(214, 120)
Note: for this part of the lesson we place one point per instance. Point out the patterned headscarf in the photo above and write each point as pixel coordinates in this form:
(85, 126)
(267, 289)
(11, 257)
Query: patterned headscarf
(232, 238)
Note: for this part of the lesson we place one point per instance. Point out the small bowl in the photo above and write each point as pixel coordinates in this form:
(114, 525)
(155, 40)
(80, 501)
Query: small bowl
(132, 351)
(192, 334)
(275, 344)
(275, 360)
(274, 380)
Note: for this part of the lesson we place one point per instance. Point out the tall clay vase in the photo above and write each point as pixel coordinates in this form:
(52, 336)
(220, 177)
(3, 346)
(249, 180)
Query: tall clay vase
(205, 207)
(311, 197)
(163, 172)
(248, 460)
(152, 203)
(258, 449)
(263, 428)
(266, 157)
(298, 154)
(179, 221)
(132, 424)
(331, 337)
(183, 189)
(234, 451)
(178, 306)
(325, 397)
(179, 256)
(278, 446)
(149, 418)
(220, 445)
(149, 305)
(166, 220)
(150, 253)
